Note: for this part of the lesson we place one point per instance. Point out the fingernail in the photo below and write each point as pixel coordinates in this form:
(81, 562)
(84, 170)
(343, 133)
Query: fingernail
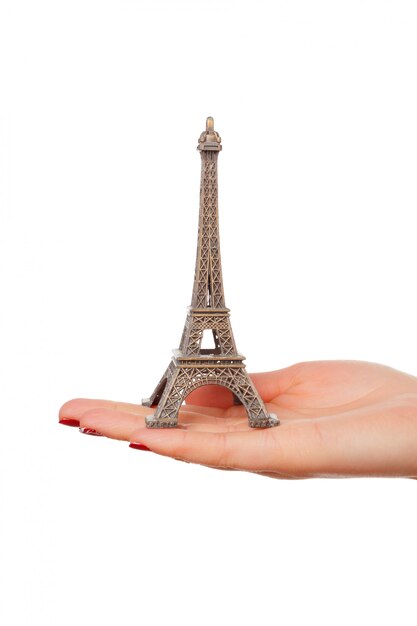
(139, 446)
(90, 431)
(68, 421)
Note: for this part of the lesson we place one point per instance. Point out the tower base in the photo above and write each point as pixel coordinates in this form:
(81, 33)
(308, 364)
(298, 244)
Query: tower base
(185, 374)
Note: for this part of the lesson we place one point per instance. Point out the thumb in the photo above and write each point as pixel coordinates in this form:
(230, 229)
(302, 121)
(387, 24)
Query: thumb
(268, 384)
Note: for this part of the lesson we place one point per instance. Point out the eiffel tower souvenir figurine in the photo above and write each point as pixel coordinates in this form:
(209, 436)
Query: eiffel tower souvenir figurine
(192, 365)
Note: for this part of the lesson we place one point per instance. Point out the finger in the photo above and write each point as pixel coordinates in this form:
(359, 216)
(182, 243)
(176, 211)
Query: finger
(121, 424)
(268, 384)
(73, 409)
(111, 423)
(232, 412)
(357, 443)
(278, 450)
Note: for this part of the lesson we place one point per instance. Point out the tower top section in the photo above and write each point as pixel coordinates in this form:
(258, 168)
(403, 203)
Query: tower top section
(209, 139)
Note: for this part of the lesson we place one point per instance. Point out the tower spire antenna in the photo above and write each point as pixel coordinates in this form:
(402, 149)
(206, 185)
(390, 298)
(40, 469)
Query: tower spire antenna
(192, 365)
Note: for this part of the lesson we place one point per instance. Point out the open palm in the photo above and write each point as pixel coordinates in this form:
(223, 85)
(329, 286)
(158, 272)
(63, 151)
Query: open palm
(338, 418)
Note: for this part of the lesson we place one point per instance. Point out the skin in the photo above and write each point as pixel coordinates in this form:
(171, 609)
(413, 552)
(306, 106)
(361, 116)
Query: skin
(338, 419)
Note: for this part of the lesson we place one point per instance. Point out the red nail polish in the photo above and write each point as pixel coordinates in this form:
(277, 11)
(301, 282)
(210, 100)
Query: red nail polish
(68, 421)
(90, 431)
(139, 446)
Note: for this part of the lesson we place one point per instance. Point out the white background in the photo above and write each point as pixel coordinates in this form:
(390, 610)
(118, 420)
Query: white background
(102, 103)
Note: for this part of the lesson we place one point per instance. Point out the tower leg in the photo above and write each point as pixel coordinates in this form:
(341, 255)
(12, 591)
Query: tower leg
(155, 397)
(255, 408)
(166, 413)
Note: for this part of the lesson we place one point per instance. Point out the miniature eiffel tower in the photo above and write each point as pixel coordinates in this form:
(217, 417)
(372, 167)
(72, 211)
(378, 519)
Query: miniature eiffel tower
(192, 365)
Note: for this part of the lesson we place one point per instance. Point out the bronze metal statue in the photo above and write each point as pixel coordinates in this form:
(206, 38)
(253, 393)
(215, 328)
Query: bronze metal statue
(192, 365)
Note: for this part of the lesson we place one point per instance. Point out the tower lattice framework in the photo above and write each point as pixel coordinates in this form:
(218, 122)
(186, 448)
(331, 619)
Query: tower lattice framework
(193, 366)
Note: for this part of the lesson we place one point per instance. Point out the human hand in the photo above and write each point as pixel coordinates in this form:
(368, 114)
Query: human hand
(338, 418)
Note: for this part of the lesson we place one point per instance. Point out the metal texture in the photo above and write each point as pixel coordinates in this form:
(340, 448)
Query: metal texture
(193, 366)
